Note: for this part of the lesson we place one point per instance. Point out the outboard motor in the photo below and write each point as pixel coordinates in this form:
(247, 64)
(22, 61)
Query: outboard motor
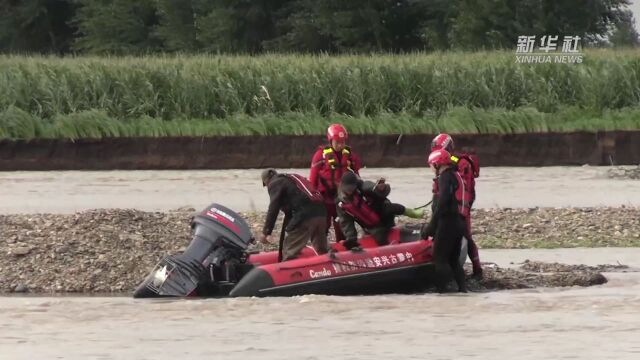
(212, 263)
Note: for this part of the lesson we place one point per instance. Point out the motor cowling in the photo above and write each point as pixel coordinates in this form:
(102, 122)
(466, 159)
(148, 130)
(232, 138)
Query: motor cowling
(222, 227)
(220, 238)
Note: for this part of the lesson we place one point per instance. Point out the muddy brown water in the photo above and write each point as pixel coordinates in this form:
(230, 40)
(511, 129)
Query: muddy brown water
(599, 322)
(241, 190)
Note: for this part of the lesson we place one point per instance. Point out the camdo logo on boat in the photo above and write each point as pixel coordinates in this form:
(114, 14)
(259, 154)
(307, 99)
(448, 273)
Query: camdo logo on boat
(547, 51)
(320, 274)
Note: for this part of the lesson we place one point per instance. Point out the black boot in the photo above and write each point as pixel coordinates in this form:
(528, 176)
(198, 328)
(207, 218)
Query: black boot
(350, 245)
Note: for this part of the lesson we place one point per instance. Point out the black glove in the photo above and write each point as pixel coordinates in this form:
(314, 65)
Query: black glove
(426, 231)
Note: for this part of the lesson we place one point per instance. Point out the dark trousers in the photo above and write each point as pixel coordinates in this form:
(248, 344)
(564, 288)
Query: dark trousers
(380, 234)
(314, 230)
(446, 251)
(472, 248)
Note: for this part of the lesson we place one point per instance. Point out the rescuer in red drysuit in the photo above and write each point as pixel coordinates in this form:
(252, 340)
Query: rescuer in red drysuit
(328, 165)
(366, 203)
(469, 169)
(447, 225)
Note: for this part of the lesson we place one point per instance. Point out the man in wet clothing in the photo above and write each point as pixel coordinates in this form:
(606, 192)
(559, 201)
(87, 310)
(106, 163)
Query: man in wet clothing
(366, 203)
(447, 225)
(305, 213)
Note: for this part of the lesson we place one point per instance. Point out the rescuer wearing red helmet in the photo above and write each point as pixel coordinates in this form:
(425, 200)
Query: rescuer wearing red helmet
(328, 165)
(468, 168)
(447, 224)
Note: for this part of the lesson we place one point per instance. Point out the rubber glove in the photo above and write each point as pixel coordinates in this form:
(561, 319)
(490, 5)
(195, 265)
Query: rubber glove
(414, 213)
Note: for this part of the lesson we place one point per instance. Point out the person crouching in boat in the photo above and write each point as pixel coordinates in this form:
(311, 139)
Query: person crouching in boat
(447, 224)
(366, 203)
(305, 214)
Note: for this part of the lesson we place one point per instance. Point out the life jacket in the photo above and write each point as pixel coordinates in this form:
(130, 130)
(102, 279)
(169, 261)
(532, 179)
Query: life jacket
(331, 172)
(463, 196)
(305, 187)
(467, 166)
(361, 211)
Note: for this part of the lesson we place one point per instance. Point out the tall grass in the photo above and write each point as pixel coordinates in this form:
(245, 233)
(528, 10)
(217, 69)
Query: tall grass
(197, 95)
(219, 86)
(18, 124)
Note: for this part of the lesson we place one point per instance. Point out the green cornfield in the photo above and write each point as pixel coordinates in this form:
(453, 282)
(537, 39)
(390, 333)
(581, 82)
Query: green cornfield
(482, 92)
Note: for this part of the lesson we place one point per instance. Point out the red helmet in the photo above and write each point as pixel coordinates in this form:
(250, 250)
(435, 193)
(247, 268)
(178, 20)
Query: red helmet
(337, 132)
(439, 157)
(442, 141)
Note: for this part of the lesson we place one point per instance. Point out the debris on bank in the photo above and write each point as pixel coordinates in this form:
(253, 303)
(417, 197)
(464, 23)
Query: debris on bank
(111, 251)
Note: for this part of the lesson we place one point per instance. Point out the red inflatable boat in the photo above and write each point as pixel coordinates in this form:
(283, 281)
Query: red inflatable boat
(217, 263)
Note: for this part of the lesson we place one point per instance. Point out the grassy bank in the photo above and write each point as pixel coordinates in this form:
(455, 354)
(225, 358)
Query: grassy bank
(276, 94)
(18, 124)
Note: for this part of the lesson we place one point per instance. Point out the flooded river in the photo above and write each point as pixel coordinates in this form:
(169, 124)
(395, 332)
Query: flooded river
(600, 322)
(241, 190)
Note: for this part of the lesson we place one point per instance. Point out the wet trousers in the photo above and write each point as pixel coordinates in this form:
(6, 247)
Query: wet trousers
(446, 252)
(313, 230)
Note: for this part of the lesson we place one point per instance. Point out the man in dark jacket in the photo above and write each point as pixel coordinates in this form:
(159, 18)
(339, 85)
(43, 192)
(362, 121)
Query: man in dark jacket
(447, 226)
(305, 213)
(366, 203)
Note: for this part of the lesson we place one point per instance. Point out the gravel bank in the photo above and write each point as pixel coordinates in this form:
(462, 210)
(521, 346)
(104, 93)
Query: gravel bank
(103, 251)
(624, 172)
